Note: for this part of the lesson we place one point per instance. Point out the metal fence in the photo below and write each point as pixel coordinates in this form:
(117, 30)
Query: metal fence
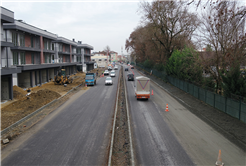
(235, 108)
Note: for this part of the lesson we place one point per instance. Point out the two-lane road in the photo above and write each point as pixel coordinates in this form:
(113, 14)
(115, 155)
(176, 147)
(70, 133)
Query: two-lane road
(168, 138)
(77, 133)
(154, 143)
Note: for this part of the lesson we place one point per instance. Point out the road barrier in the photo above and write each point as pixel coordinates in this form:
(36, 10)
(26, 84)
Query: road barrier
(167, 108)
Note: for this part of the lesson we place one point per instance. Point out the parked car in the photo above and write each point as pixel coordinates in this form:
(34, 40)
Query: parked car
(126, 69)
(106, 72)
(108, 81)
(132, 67)
(112, 74)
(116, 68)
(130, 77)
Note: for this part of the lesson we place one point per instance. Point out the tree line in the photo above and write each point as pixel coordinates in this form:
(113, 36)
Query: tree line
(171, 36)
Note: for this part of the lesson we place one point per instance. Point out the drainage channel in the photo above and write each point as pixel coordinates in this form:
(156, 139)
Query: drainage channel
(121, 150)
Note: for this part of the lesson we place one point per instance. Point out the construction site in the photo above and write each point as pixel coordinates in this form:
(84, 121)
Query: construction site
(26, 101)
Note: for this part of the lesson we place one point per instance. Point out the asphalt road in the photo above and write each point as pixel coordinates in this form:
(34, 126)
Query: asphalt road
(154, 142)
(77, 133)
(176, 137)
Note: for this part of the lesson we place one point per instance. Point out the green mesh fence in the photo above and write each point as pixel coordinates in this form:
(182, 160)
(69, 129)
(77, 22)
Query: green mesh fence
(210, 98)
(191, 89)
(195, 91)
(181, 85)
(186, 86)
(232, 108)
(243, 112)
(202, 94)
(220, 102)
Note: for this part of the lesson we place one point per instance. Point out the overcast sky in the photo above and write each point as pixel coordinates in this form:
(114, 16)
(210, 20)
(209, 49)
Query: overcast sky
(99, 23)
(95, 22)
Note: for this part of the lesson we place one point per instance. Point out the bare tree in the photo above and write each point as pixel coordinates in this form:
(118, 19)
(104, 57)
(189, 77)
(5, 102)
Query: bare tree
(171, 23)
(108, 51)
(224, 30)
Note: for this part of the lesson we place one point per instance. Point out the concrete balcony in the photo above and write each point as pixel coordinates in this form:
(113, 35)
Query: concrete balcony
(10, 70)
(7, 16)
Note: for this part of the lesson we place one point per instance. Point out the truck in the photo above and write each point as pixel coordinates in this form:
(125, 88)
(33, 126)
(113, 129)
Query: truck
(142, 87)
(91, 79)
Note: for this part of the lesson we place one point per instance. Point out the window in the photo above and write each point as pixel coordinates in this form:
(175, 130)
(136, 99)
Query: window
(23, 58)
(15, 38)
(53, 46)
(32, 58)
(98, 60)
(60, 58)
(78, 58)
(78, 51)
(49, 44)
(15, 58)
(32, 44)
(105, 59)
(45, 58)
(45, 44)
(22, 40)
(37, 43)
(49, 58)
(60, 47)
(67, 49)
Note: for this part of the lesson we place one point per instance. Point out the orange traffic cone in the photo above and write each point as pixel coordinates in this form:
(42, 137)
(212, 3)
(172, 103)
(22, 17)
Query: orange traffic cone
(103, 74)
(85, 85)
(167, 108)
(219, 160)
(152, 92)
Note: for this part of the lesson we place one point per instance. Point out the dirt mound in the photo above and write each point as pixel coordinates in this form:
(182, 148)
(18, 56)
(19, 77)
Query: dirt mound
(21, 106)
(18, 92)
(79, 78)
(26, 105)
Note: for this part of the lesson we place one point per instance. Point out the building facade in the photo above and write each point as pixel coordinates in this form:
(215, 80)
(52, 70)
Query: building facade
(101, 60)
(31, 56)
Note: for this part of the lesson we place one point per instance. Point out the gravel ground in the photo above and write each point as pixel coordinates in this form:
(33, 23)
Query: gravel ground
(232, 128)
(121, 148)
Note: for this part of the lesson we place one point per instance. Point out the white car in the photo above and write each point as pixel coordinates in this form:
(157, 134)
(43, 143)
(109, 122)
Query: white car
(106, 72)
(112, 74)
(116, 68)
(108, 81)
(109, 68)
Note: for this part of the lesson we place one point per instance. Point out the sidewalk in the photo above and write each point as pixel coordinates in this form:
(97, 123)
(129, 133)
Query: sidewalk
(232, 128)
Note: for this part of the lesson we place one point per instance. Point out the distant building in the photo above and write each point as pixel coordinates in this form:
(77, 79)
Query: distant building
(100, 60)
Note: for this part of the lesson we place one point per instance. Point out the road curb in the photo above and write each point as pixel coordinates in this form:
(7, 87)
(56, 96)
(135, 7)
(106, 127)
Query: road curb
(6, 130)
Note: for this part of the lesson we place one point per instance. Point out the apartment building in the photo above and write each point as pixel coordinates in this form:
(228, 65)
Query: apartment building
(7, 70)
(31, 56)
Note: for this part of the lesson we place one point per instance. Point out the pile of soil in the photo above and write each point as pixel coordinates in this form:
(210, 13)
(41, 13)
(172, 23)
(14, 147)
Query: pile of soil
(18, 92)
(22, 105)
(26, 105)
